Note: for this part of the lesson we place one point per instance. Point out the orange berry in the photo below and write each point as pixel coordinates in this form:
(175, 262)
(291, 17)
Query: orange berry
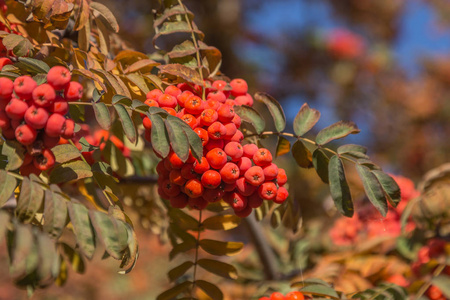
(219, 85)
(234, 150)
(203, 134)
(147, 123)
(175, 161)
(190, 120)
(218, 96)
(294, 296)
(281, 196)
(254, 176)
(166, 100)
(217, 158)
(244, 164)
(170, 110)
(198, 203)
(229, 173)
(267, 190)
(243, 187)
(154, 94)
(176, 177)
(151, 103)
(226, 113)
(202, 166)
(187, 171)
(270, 171)
(238, 87)
(213, 104)
(183, 97)
(231, 131)
(237, 201)
(237, 137)
(194, 105)
(179, 201)
(172, 90)
(169, 188)
(262, 157)
(193, 188)
(211, 179)
(216, 131)
(208, 116)
(281, 177)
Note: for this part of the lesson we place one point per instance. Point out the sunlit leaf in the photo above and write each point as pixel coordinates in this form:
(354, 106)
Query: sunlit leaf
(305, 119)
(106, 15)
(178, 70)
(222, 222)
(14, 152)
(251, 116)
(174, 291)
(210, 289)
(32, 65)
(283, 146)
(336, 131)
(220, 248)
(7, 186)
(74, 170)
(65, 152)
(302, 155)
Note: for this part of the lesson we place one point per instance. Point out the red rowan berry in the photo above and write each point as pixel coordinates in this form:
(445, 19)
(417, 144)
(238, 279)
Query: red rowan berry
(175, 161)
(161, 170)
(154, 94)
(190, 120)
(270, 171)
(55, 125)
(6, 88)
(172, 90)
(4, 61)
(212, 104)
(44, 95)
(170, 110)
(170, 188)
(27, 159)
(208, 117)
(264, 298)
(218, 96)
(237, 121)
(176, 178)
(237, 201)
(27, 170)
(147, 123)
(243, 187)
(262, 157)
(5, 121)
(244, 164)
(191, 159)
(59, 106)
(193, 188)
(49, 142)
(179, 201)
(229, 102)
(194, 105)
(24, 87)
(231, 131)
(234, 150)
(69, 128)
(229, 173)
(16, 109)
(226, 113)
(217, 158)
(187, 171)
(151, 103)
(294, 296)
(211, 179)
(73, 91)
(254, 175)
(219, 85)
(281, 177)
(214, 144)
(216, 131)
(213, 195)
(202, 166)
(250, 150)
(197, 203)
(58, 77)
(267, 190)
(282, 195)
(183, 97)
(228, 187)
(244, 100)
(244, 213)
(45, 160)
(166, 100)
(36, 117)
(237, 137)
(161, 191)
(238, 87)
(25, 134)
(254, 200)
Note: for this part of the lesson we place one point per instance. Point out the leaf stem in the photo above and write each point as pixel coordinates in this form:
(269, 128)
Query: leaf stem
(427, 284)
(197, 246)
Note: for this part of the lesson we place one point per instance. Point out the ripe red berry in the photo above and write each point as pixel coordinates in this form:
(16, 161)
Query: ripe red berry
(154, 94)
(238, 87)
(25, 134)
(294, 296)
(203, 134)
(193, 188)
(211, 179)
(187, 171)
(229, 173)
(170, 189)
(151, 103)
(202, 166)
(9, 133)
(166, 100)
(59, 106)
(24, 87)
(214, 144)
(172, 90)
(243, 187)
(183, 97)
(6, 88)
(243, 213)
(45, 160)
(281, 177)
(147, 123)
(58, 77)
(218, 96)
(36, 117)
(244, 164)
(216, 131)
(44, 95)
(197, 203)
(231, 131)
(69, 128)
(213, 195)
(250, 150)
(267, 190)
(229, 187)
(237, 121)
(49, 142)
(270, 171)
(73, 91)
(219, 85)
(237, 137)
(244, 100)
(262, 157)
(5, 121)
(217, 158)
(234, 150)
(16, 109)
(282, 195)
(55, 125)
(237, 201)
(4, 61)
(176, 177)
(254, 200)
(208, 117)
(212, 104)
(179, 201)
(194, 105)
(190, 120)
(254, 176)
(175, 161)
(226, 113)
(27, 170)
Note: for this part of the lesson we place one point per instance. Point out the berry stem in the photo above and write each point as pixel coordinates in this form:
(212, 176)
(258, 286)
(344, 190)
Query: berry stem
(197, 246)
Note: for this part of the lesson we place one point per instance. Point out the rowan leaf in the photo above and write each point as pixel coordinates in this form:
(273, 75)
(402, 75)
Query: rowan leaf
(7, 186)
(302, 155)
(55, 214)
(177, 137)
(74, 170)
(340, 192)
(29, 200)
(305, 119)
(221, 222)
(159, 135)
(320, 161)
(220, 248)
(174, 291)
(82, 228)
(251, 116)
(102, 115)
(390, 187)
(178, 70)
(373, 189)
(275, 110)
(65, 152)
(127, 123)
(283, 146)
(180, 270)
(336, 131)
(14, 152)
(218, 268)
(108, 17)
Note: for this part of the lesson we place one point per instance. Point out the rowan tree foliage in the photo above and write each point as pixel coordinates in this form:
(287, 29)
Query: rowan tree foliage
(82, 115)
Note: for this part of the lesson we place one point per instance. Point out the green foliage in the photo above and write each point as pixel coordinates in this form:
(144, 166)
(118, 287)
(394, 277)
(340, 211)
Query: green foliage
(384, 291)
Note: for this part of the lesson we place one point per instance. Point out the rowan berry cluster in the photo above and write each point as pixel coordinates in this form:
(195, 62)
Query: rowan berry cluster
(34, 115)
(289, 296)
(241, 175)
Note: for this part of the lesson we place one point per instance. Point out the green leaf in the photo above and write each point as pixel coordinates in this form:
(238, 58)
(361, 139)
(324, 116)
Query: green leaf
(195, 142)
(305, 119)
(159, 135)
(351, 148)
(82, 228)
(18, 44)
(373, 189)
(320, 290)
(7, 186)
(310, 281)
(390, 187)
(283, 146)
(102, 115)
(177, 137)
(222, 222)
(336, 131)
(251, 116)
(85, 146)
(75, 258)
(174, 291)
(182, 219)
(340, 192)
(29, 201)
(302, 155)
(179, 271)
(210, 289)
(220, 248)
(219, 268)
(74, 170)
(48, 257)
(14, 152)
(443, 283)
(108, 17)
(121, 99)
(33, 65)
(24, 254)
(131, 253)
(127, 123)
(320, 161)
(111, 233)
(183, 72)
(55, 214)
(66, 152)
(275, 110)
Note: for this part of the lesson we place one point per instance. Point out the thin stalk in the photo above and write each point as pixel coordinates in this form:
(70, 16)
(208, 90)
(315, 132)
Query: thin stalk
(197, 246)
(426, 285)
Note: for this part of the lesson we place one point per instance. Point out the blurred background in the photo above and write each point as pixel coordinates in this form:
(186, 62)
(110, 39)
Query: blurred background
(384, 64)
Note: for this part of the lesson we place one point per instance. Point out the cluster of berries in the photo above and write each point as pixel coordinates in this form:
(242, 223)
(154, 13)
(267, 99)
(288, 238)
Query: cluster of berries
(241, 175)
(289, 296)
(34, 115)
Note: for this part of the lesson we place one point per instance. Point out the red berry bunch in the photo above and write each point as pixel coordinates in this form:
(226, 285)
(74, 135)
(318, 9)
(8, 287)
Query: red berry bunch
(241, 175)
(34, 115)
(289, 296)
